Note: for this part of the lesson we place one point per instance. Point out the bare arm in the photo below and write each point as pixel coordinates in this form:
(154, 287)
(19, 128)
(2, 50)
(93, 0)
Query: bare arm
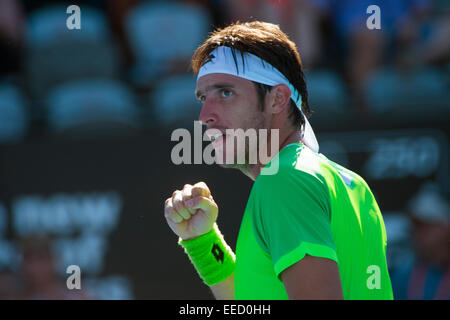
(190, 213)
(313, 278)
(225, 289)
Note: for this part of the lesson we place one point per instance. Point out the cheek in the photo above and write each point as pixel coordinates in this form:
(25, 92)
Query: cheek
(247, 113)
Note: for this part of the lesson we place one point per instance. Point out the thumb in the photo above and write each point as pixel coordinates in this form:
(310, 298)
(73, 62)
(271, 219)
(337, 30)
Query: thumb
(203, 203)
(200, 189)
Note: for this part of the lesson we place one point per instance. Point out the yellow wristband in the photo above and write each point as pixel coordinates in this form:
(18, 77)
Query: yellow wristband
(211, 256)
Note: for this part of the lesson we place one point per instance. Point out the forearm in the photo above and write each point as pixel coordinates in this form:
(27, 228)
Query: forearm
(192, 214)
(224, 290)
(214, 261)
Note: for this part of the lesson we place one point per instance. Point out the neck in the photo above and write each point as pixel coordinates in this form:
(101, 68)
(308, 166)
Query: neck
(253, 171)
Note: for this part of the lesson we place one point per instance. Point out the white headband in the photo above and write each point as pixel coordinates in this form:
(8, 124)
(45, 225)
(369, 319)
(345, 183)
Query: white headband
(223, 60)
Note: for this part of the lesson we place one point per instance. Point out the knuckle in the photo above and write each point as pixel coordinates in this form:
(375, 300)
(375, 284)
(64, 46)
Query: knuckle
(177, 205)
(201, 189)
(186, 194)
(200, 184)
(176, 197)
(175, 193)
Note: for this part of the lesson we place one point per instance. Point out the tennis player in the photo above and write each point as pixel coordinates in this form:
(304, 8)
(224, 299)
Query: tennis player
(312, 230)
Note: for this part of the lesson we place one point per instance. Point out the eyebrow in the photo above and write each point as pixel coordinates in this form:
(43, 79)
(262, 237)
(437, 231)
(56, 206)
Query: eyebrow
(198, 93)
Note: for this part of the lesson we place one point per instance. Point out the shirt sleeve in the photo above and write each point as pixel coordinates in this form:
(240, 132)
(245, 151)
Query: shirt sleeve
(293, 218)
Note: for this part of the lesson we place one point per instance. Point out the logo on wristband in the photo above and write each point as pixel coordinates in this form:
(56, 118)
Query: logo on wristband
(217, 253)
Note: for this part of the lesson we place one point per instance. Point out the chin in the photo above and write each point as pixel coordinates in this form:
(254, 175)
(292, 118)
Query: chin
(230, 160)
(242, 167)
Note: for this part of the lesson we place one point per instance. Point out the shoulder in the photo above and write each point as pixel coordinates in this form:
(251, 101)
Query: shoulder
(298, 188)
(298, 168)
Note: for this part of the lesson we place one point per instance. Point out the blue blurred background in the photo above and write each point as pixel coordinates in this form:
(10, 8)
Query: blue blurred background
(86, 117)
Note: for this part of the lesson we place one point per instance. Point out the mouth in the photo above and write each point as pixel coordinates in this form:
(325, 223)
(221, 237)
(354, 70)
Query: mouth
(216, 137)
(218, 141)
(214, 134)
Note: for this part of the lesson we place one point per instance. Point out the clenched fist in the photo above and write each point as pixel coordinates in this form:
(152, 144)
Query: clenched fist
(191, 212)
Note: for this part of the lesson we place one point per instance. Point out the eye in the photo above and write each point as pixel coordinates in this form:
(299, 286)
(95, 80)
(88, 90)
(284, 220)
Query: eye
(225, 93)
(202, 98)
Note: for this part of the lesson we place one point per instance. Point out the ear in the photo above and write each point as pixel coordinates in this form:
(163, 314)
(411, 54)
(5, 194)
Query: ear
(280, 98)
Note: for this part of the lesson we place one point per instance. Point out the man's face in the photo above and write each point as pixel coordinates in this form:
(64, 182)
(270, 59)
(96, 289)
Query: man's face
(230, 102)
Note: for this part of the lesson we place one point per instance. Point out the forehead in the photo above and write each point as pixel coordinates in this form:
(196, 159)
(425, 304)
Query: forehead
(212, 80)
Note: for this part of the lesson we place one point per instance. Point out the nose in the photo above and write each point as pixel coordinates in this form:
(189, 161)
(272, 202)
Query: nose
(208, 114)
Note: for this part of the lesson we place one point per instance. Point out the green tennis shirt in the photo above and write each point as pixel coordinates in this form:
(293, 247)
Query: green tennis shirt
(311, 206)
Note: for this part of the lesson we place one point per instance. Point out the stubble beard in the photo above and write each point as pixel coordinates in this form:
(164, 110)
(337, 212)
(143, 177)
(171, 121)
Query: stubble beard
(250, 151)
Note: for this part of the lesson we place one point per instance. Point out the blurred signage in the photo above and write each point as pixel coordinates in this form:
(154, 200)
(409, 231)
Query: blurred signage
(80, 224)
(393, 162)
